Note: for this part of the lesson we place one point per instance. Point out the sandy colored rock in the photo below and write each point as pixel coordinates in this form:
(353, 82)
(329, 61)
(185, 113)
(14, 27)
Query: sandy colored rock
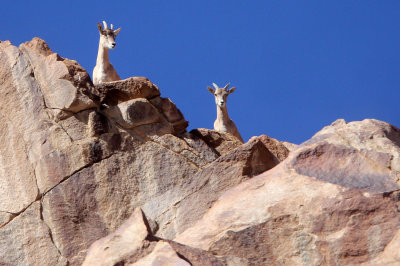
(134, 104)
(369, 135)
(313, 208)
(133, 244)
(192, 148)
(196, 256)
(204, 188)
(5, 217)
(121, 244)
(133, 113)
(64, 83)
(97, 199)
(390, 255)
(290, 146)
(65, 157)
(26, 240)
(347, 167)
(56, 163)
(20, 121)
(72, 173)
(283, 218)
(277, 148)
(113, 93)
(168, 108)
(162, 254)
(180, 126)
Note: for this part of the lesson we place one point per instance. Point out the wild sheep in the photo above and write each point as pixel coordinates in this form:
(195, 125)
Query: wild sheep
(223, 122)
(104, 71)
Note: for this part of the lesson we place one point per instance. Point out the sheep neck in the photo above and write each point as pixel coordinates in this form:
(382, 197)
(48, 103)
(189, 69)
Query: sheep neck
(102, 56)
(222, 113)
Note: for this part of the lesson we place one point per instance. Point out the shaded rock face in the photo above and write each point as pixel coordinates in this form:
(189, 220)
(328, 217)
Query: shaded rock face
(221, 142)
(77, 160)
(333, 201)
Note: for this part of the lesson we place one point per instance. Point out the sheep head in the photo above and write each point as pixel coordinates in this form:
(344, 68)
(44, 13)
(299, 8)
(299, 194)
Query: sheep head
(107, 36)
(221, 94)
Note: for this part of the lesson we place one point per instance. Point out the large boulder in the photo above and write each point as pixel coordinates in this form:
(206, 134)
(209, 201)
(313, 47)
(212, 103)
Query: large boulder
(115, 92)
(333, 201)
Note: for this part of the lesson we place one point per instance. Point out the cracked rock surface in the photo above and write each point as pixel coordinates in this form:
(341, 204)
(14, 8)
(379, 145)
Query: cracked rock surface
(76, 159)
(108, 175)
(335, 200)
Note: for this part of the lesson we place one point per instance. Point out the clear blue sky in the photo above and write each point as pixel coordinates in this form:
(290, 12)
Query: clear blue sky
(297, 65)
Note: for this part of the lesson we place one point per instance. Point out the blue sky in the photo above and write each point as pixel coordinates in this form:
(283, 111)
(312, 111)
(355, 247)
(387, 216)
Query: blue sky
(297, 65)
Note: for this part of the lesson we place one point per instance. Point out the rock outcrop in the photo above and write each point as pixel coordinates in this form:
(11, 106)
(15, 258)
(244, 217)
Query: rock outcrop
(334, 201)
(76, 160)
(108, 175)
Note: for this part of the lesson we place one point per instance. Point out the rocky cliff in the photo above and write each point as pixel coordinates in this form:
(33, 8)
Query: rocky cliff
(108, 175)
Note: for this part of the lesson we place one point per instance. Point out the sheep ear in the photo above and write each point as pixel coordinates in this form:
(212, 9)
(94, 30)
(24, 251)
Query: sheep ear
(100, 27)
(211, 90)
(117, 31)
(232, 90)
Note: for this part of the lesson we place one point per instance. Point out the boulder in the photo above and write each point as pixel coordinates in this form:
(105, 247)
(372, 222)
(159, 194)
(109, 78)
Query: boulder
(133, 113)
(115, 92)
